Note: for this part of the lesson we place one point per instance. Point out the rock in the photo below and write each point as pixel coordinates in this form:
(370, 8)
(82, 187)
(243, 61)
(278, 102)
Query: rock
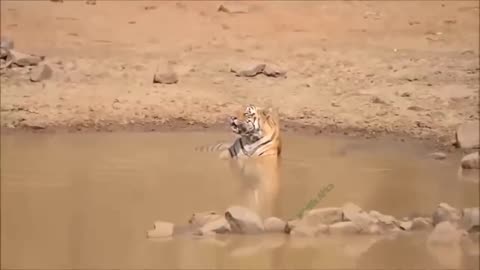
(219, 225)
(291, 225)
(23, 60)
(6, 43)
(232, 8)
(274, 71)
(467, 135)
(161, 229)
(167, 77)
(248, 70)
(378, 100)
(471, 161)
(345, 227)
(415, 108)
(303, 229)
(41, 73)
(4, 53)
(421, 223)
(406, 225)
(445, 212)
(349, 210)
(363, 221)
(445, 233)
(243, 220)
(323, 216)
(470, 218)
(202, 218)
(438, 155)
(382, 218)
(274, 224)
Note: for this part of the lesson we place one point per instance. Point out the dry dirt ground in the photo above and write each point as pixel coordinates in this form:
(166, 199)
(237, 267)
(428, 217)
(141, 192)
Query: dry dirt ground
(402, 67)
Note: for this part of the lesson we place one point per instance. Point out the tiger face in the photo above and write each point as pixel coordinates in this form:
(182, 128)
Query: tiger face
(253, 123)
(244, 123)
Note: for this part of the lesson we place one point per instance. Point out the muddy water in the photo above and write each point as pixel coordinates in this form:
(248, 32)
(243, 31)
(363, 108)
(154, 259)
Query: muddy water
(86, 201)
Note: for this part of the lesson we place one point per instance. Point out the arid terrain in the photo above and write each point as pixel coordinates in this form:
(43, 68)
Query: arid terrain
(400, 67)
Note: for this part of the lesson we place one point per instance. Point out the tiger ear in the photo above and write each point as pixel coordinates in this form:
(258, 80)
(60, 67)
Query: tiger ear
(270, 112)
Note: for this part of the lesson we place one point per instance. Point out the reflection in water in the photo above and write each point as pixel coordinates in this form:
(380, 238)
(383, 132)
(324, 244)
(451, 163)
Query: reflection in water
(258, 180)
(86, 201)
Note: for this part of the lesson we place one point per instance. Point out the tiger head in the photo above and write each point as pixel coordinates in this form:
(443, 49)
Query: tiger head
(254, 123)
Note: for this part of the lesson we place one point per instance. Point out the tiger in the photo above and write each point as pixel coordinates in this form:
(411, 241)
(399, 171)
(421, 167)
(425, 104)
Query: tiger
(259, 135)
(255, 155)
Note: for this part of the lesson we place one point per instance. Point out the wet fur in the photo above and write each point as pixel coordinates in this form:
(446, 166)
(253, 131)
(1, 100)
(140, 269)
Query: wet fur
(254, 156)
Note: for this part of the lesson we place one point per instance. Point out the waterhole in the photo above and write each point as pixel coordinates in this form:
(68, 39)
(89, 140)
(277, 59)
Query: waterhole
(85, 201)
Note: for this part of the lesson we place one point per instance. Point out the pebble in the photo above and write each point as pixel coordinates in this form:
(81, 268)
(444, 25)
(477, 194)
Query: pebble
(161, 229)
(232, 8)
(248, 69)
(41, 73)
(438, 155)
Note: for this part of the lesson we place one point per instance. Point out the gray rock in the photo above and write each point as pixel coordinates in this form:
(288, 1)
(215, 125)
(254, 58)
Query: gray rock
(345, 227)
(167, 77)
(248, 69)
(467, 135)
(350, 210)
(291, 224)
(382, 218)
(274, 224)
(421, 223)
(438, 155)
(41, 73)
(233, 8)
(161, 229)
(384, 222)
(202, 218)
(445, 212)
(470, 218)
(323, 216)
(4, 53)
(471, 161)
(220, 225)
(406, 225)
(23, 60)
(6, 43)
(274, 71)
(243, 220)
(445, 233)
